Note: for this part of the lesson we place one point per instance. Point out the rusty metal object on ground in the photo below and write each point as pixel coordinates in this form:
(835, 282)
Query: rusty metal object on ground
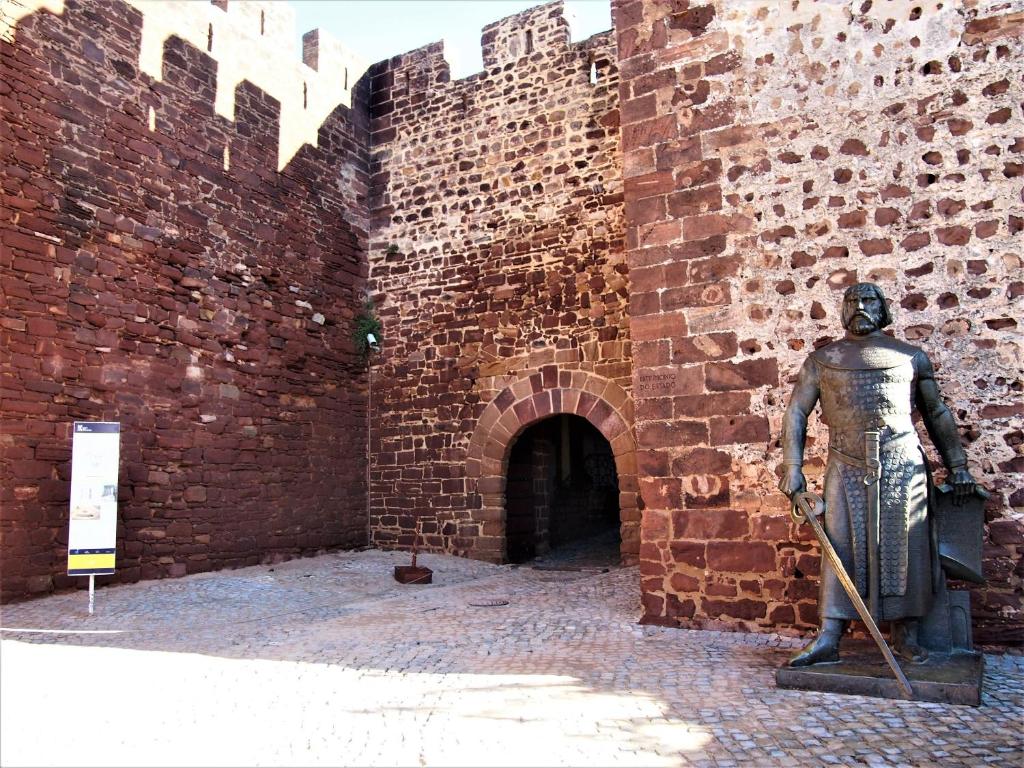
(413, 573)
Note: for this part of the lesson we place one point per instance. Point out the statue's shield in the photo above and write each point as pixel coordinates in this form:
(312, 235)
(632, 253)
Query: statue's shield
(960, 531)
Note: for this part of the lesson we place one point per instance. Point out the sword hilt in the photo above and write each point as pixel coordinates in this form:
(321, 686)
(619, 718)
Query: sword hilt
(805, 504)
(873, 466)
(872, 457)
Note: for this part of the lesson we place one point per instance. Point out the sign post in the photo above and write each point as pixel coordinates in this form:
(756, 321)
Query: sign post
(92, 535)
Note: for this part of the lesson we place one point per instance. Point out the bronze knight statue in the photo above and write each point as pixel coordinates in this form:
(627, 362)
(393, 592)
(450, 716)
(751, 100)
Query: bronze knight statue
(876, 484)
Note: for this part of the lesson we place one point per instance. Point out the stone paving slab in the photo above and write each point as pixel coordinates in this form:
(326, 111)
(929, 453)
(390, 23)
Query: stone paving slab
(329, 661)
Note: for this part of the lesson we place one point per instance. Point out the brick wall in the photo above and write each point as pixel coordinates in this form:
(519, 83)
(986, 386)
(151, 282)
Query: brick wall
(773, 156)
(178, 256)
(159, 270)
(496, 256)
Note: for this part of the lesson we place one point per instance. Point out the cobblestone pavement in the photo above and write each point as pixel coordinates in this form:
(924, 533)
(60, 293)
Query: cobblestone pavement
(330, 661)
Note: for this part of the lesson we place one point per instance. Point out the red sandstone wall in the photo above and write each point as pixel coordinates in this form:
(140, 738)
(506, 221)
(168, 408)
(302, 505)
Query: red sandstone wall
(204, 304)
(769, 157)
(496, 256)
(773, 156)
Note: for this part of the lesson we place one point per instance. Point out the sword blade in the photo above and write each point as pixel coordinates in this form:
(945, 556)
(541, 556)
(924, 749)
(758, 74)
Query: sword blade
(802, 502)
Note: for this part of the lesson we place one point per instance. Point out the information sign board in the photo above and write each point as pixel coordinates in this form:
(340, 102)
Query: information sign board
(92, 537)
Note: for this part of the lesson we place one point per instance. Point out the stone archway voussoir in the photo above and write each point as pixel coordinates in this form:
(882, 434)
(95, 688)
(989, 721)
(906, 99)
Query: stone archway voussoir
(509, 422)
(612, 426)
(570, 400)
(490, 467)
(488, 418)
(542, 404)
(623, 443)
(586, 405)
(626, 463)
(525, 411)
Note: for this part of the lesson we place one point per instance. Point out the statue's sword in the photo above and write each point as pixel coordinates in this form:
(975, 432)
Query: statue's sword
(805, 507)
(873, 462)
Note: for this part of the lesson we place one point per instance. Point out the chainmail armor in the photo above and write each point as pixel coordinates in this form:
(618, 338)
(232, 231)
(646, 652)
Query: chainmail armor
(854, 400)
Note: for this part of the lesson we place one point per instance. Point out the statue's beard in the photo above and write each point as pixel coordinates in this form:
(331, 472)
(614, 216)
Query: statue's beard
(862, 324)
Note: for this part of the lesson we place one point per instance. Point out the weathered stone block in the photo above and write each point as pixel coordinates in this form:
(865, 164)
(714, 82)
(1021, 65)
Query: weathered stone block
(741, 556)
(704, 524)
(739, 609)
(748, 374)
(690, 553)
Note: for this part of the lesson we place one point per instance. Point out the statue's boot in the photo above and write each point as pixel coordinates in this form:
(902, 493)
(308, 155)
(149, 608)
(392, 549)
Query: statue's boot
(825, 647)
(905, 642)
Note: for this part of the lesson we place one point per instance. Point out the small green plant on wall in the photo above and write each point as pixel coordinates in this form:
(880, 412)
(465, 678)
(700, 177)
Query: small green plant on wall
(366, 322)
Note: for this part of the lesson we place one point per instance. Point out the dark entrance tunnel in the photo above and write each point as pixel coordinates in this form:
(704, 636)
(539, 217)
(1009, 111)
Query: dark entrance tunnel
(562, 490)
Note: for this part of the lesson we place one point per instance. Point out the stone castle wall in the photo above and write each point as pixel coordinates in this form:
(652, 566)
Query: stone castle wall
(773, 157)
(158, 269)
(496, 256)
(650, 231)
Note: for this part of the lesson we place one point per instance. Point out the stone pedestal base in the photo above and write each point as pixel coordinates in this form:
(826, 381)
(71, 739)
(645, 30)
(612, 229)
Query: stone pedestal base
(945, 678)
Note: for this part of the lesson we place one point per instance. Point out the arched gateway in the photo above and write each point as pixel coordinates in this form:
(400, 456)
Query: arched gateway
(550, 392)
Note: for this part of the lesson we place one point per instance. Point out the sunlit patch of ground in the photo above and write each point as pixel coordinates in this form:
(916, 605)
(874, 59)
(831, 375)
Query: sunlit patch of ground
(328, 660)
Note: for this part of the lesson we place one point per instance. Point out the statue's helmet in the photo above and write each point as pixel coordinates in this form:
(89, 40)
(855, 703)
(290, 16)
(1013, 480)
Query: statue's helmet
(864, 289)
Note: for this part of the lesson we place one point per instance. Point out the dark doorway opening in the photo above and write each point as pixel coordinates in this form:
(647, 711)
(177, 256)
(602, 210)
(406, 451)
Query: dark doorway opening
(562, 493)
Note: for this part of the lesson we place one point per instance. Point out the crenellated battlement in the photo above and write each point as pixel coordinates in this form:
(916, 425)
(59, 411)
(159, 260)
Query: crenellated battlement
(418, 70)
(251, 40)
(536, 30)
(533, 45)
(515, 41)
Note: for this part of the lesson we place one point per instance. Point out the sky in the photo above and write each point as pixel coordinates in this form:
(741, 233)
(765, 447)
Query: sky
(380, 29)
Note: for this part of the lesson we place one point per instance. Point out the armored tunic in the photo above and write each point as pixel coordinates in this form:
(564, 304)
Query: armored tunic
(869, 384)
